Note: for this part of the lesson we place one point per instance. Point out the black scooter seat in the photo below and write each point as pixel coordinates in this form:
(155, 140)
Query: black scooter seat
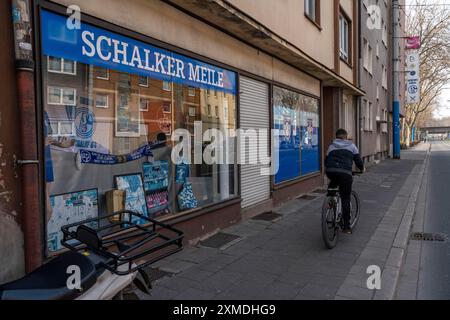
(49, 282)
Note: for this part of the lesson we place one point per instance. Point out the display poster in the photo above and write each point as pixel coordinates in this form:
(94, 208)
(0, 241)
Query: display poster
(134, 194)
(67, 209)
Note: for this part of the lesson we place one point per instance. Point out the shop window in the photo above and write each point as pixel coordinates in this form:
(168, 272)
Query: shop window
(296, 116)
(113, 131)
(59, 65)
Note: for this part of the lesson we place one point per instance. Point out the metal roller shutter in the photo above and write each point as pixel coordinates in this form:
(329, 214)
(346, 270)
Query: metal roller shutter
(254, 114)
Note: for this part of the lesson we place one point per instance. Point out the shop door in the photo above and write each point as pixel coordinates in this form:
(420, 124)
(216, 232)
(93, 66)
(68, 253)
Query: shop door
(254, 114)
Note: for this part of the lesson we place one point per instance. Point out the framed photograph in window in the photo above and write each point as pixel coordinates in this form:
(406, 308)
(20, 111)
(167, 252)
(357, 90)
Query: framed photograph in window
(133, 186)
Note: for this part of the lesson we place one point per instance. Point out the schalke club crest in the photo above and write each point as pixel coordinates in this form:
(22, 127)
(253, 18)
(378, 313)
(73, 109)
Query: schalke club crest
(84, 123)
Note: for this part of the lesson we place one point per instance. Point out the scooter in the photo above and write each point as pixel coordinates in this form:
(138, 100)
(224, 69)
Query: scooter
(106, 255)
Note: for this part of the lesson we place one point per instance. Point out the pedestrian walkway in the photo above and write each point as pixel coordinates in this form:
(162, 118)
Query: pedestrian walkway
(286, 259)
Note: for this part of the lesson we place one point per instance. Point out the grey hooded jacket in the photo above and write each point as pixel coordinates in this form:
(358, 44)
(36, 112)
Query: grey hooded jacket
(340, 157)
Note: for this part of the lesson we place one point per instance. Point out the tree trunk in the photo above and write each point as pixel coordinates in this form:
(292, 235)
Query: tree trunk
(407, 135)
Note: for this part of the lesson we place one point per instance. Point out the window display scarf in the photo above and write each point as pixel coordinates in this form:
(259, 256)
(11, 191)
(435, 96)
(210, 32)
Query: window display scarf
(92, 157)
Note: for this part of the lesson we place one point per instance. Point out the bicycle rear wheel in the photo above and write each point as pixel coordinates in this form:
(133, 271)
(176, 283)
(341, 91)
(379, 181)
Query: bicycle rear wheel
(354, 209)
(329, 225)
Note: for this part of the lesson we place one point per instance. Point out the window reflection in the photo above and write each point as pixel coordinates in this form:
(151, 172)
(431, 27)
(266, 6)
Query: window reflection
(296, 116)
(108, 112)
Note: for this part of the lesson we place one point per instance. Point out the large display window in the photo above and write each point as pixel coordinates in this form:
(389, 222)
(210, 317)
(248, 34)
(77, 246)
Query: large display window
(110, 108)
(296, 116)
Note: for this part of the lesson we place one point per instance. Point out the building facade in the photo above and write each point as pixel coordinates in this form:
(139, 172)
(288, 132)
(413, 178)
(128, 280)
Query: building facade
(375, 61)
(106, 91)
(12, 256)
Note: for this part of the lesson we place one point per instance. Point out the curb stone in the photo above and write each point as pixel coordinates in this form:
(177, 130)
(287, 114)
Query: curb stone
(393, 263)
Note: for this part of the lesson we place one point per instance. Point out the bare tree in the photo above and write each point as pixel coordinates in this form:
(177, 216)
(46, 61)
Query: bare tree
(431, 22)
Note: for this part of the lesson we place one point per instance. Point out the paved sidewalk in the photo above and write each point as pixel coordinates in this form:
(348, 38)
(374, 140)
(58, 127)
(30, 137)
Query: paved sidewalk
(286, 258)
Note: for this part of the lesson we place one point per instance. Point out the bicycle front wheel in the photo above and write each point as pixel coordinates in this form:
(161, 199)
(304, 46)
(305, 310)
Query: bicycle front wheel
(354, 209)
(329, 225)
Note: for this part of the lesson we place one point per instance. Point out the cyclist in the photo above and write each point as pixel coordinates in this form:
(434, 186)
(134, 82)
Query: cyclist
(338, 167)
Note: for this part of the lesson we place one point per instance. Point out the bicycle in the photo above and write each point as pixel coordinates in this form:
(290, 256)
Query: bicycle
(332, 219)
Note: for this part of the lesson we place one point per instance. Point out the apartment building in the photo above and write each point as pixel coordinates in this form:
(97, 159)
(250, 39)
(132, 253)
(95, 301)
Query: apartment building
(375, 61)
(136, 69)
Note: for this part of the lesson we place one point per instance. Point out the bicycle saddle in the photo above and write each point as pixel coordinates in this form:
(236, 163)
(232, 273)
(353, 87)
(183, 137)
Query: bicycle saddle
(49, 282)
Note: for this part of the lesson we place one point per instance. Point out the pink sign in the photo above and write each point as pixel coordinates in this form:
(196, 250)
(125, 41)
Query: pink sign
(413, 42)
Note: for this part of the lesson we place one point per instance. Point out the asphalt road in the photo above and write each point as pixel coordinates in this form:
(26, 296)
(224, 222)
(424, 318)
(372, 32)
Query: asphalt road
(434, 269)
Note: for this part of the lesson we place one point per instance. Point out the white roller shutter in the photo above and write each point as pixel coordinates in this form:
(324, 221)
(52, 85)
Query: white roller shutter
(254, 114)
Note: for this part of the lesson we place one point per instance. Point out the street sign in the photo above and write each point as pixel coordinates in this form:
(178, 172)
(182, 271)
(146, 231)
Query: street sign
(412, 42)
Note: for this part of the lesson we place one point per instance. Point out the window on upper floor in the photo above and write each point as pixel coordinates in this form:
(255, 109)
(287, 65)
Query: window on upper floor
(59, 65)
(384, 77)
(102, 100)
(312, 10)
(345, 37)
(101, 73)
(384, 33)
(61, 96)
(365, 54)
(62, 129)
(143, 81)
(167, 86)
(367, 115)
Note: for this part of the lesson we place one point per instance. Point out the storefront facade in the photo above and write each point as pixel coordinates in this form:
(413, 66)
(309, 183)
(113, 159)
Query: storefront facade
(113, 94)
(108, 93)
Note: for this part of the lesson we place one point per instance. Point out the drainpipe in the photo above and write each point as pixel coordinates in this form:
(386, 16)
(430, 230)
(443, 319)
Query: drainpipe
(29, 164)
(359, 100)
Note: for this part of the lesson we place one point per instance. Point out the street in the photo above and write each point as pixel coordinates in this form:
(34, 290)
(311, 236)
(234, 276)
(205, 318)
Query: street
(426, 272)
(286, 259)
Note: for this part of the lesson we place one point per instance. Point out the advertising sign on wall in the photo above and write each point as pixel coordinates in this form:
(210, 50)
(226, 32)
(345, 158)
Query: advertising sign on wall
(412, 77)
(93, 45)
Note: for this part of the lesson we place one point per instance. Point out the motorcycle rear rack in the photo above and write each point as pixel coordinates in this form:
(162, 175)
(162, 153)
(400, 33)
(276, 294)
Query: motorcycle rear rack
(125, 245)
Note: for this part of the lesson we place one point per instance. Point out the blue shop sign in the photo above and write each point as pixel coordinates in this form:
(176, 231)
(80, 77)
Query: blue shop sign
(96, 46)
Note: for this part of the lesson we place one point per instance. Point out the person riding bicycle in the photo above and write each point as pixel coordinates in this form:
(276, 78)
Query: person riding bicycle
(338, 167)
